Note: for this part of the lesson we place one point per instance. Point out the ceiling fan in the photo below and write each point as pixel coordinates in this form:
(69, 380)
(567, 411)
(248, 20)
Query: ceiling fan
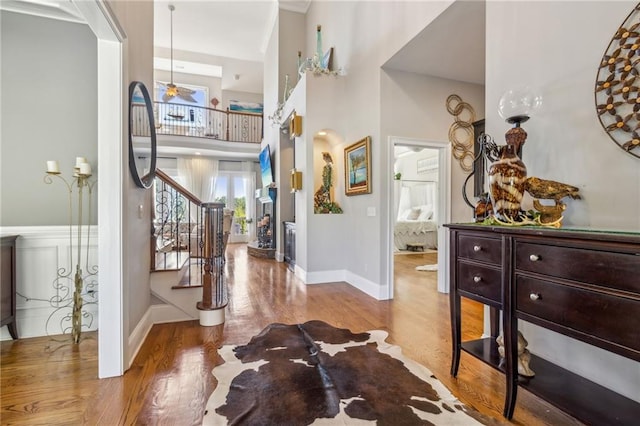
(172, 90)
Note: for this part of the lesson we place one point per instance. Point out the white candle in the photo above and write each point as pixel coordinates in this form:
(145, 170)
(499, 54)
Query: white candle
(85, 169)
(80, 160)
(52, 167)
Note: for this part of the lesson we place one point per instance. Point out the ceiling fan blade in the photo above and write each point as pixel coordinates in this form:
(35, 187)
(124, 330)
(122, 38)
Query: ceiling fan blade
(187, 97)
(186, 94)
(166, 97)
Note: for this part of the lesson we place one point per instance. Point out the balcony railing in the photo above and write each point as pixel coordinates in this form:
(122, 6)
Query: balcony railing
(177, 231)
(186, 120)
(190, 236)
(199, 122)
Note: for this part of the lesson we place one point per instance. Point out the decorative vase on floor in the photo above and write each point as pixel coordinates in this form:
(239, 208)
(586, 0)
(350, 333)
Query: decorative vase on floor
(506, 179)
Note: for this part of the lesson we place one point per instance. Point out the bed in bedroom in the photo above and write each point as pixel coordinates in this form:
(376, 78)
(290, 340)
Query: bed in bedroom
(416, 221)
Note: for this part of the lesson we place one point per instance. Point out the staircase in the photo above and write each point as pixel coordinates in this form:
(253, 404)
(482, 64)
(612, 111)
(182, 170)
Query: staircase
(189, 238)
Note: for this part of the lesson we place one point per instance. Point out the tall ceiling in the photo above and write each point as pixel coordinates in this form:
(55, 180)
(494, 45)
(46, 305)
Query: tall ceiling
(233, 34)
(230, 29)
(452, 46)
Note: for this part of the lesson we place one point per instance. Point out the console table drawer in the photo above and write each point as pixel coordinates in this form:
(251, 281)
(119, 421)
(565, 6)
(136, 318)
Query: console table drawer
(583, 265)
(589, 313)
(479, 248)
(479, 280)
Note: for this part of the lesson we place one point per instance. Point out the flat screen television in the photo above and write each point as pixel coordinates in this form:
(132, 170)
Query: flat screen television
(265, 167)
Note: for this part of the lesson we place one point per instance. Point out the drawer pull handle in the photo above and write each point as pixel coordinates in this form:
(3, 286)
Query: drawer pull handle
(477, 248)
(534, 258)
(477, 279)
(534, 296)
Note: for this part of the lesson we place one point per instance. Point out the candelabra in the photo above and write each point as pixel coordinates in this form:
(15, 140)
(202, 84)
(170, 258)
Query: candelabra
(82, 294)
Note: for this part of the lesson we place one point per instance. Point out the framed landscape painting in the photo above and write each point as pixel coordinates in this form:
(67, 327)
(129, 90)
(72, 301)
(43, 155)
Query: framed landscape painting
(357, 167)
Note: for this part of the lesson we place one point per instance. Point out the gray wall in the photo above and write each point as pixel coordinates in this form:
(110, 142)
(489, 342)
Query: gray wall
(565, 140)
(49, 112)
(136, 19)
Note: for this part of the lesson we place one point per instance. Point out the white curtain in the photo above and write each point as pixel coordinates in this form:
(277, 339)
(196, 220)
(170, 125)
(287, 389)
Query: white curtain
(397, 187)
(404, 201)
(249, 178)
(199, 176)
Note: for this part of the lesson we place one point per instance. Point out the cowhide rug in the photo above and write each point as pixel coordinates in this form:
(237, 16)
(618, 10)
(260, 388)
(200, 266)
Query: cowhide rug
(313, 373)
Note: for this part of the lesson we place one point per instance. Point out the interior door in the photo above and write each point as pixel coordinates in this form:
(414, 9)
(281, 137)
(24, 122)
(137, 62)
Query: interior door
(236, 191)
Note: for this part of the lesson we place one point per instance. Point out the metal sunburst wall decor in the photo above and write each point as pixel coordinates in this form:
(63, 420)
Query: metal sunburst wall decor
(617, 89)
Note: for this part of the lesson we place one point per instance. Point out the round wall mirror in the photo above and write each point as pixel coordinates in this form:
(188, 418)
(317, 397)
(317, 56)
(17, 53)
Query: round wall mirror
(142, 136)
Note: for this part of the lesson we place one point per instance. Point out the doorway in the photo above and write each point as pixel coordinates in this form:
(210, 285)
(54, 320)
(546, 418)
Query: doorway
(425, 182)
(235, 190)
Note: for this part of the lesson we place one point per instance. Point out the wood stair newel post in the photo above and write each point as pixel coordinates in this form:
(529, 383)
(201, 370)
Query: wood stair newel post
(214, 292)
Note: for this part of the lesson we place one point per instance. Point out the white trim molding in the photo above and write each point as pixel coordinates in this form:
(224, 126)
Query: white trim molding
(46, 259)
(444, 206)
(342, 275)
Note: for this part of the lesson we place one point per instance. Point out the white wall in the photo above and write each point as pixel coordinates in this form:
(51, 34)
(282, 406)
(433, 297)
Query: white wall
(566, 142)
(271, 132)
(213, 84)
(414, 106)
(136, 18)
(342, 247)
(407, 165)
(44, 294)
(291, 40)
(365, 35)
(250, 72)
(229, 95)
(48, 115)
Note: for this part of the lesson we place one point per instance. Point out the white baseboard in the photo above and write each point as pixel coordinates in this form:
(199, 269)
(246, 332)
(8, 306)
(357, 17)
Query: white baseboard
(321, 277)
(52, 249)
(372, 289)
(137, 337)
(340, 275)
(168, 313)
(300, 273)
(156, 314)
(32, 323)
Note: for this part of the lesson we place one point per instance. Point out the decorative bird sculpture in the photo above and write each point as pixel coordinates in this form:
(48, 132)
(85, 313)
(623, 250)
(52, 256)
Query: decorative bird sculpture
(550, 189)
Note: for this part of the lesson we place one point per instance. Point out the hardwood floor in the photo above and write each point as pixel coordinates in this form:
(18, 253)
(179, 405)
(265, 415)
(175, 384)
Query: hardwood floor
(169, 383)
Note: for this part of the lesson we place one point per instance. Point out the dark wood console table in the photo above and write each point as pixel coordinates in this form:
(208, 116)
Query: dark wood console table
(8, 284)
(581, 284)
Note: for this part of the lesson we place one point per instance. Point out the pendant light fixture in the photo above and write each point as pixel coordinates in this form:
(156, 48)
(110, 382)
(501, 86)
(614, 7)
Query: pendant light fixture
(172, 90)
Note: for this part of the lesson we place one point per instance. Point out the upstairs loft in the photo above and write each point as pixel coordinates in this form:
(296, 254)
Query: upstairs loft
(182, 127)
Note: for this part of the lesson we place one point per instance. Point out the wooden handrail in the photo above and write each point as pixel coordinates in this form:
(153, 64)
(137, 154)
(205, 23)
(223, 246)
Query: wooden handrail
(250, 114)
(203, 122)
(181, 189)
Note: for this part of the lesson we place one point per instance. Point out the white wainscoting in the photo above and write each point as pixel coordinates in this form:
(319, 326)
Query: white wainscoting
(42, 252)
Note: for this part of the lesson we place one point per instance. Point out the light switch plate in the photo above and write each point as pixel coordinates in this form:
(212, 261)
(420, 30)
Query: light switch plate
(371, 211)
